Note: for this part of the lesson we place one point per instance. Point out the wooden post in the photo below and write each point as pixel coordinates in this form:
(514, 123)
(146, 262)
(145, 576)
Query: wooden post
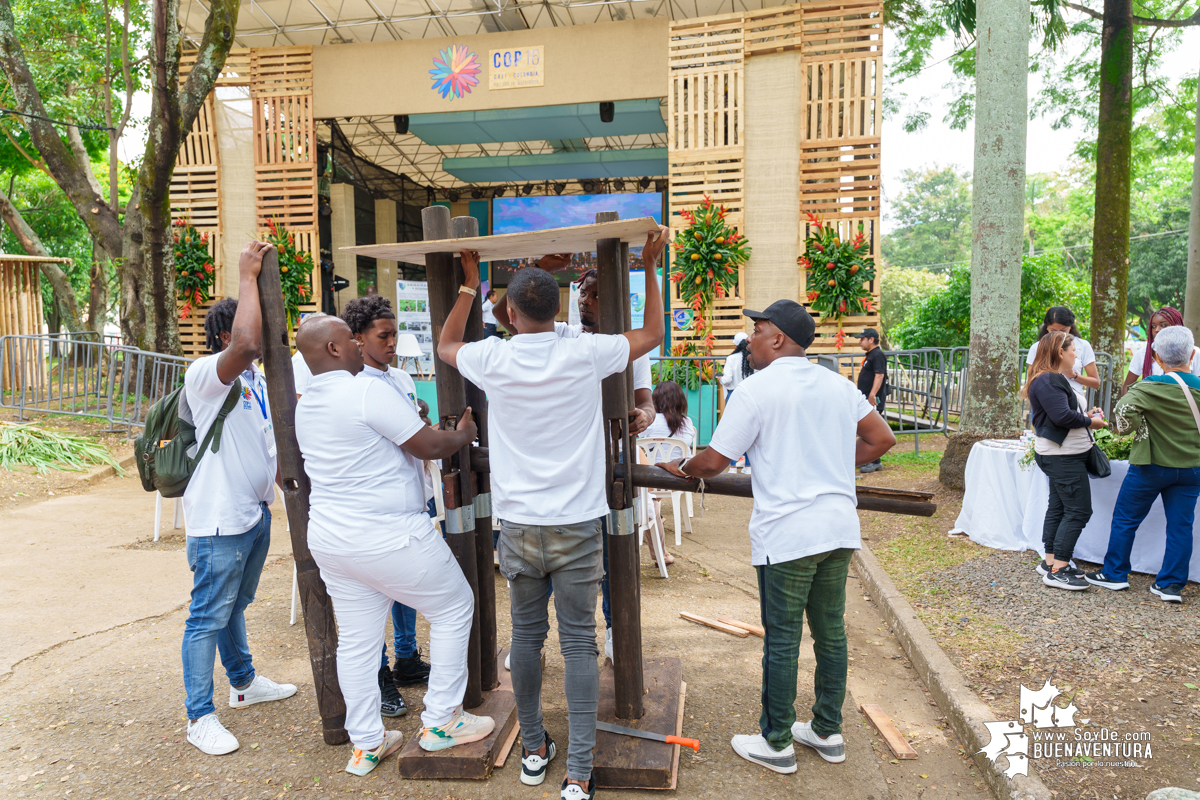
(458, 485)
(319, 623)
(624, 576)
(485, 596)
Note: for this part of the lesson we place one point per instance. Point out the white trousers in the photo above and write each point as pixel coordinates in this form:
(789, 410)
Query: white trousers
(423, 575)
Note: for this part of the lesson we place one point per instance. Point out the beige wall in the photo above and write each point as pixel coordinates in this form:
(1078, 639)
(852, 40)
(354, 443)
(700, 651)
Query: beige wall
(773, 178)
(235, 142)
(341, 205)
(385, 233)
(583, 64)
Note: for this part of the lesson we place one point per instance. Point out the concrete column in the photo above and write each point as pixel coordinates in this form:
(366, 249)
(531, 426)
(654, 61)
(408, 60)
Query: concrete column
(773, 132)
(385, 233)
(345, 265)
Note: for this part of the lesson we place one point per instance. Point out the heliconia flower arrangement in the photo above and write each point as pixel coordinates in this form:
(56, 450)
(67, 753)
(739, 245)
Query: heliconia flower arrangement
(193, 267)
(295, 270)
(708, 255)
(838, 272)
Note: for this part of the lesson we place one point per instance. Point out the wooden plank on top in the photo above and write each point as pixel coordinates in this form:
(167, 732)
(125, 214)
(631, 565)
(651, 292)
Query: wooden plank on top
(898, 744)
(529, 244)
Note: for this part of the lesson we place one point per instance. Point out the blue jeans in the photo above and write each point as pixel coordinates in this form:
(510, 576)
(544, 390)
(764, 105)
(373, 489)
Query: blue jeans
(404, 626)
(226, 571)
(1180, 489)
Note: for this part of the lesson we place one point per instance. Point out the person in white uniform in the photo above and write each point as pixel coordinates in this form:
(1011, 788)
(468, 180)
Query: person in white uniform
(226, 511)
(640, 418)
(1142, 364)
(1084, 376)
(489, 319)
(363, 447)
(737, 366)
(548, 489)
(799, 422)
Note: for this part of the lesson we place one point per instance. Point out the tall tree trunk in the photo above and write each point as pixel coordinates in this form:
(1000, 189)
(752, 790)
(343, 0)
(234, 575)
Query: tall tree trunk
(1110, 235)
(64, 294)
(991, 407)
(98, 290)
(1191, 300)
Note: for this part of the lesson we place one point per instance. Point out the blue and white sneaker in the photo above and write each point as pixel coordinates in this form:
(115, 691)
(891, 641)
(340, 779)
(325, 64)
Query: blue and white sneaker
(1171, 593)
(533, 766)
(756, 749)
(831, 748)
(462, 728)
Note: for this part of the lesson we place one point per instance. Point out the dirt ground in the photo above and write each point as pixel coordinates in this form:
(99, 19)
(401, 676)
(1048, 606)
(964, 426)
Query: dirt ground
(1128, 661)
(93, 702)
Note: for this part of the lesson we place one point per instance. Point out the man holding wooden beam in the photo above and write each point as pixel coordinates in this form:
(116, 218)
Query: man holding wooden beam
(798, 424)
(546, 442)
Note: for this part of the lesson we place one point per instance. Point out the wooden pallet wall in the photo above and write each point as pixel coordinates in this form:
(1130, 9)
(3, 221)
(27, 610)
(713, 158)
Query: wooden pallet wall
(841, 54)
(285, 158)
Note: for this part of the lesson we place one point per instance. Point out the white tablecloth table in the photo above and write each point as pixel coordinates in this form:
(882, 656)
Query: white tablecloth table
(1004, 507)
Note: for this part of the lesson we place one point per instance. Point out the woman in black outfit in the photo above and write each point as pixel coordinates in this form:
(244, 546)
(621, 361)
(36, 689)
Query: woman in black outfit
(1061, 450)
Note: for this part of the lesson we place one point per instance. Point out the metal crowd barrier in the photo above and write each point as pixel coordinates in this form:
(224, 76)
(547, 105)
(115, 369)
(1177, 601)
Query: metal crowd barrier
(1102, 397)
(85, 375)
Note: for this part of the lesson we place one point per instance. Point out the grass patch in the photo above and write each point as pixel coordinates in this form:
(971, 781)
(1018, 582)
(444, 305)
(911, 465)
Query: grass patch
(929, 458)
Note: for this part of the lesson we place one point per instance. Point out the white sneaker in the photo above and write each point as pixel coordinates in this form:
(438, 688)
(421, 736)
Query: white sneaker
(755, 748)
(463, 728)
(260, 690)
(363, 761)
(210, 737)
(832, 748)
(508, 661)
(608, 650)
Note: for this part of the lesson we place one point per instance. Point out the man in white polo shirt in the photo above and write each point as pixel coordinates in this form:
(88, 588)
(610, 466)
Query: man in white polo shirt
(798, 422)
(376, 547)
(225, 508)
(547, 461)
(643, 412)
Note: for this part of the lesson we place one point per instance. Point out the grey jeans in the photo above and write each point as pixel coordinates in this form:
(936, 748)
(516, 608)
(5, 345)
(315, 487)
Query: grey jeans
(572, 554)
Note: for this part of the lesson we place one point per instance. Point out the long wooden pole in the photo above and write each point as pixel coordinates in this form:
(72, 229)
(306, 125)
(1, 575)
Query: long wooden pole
(319, 624)
(458, 485)
(624, 573)
(485, 597)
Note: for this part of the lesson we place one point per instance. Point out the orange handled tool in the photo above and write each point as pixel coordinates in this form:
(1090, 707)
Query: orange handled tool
(657, 737)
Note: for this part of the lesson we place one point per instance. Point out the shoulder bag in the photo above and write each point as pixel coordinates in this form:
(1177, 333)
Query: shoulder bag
(1188, 394)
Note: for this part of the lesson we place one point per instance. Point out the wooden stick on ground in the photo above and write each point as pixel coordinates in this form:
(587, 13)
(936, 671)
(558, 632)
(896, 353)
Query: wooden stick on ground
(899, 745)
(712, 623)
(757, 630)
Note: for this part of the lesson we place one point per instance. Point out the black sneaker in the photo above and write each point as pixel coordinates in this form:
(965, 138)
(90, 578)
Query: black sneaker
(411, 670)
(1100, 579)
(573, 791)
(533, 766)
(1171, 593)
(1063, 579)
(391, 704)
(1043, 568)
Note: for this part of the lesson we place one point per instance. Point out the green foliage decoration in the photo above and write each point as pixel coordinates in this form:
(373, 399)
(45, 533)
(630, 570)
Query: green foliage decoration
(193, 268)
(708, 255)
(837, 272)
(295, 270)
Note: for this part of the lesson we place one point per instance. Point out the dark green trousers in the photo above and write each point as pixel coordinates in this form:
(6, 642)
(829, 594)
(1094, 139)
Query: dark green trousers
(816, 586)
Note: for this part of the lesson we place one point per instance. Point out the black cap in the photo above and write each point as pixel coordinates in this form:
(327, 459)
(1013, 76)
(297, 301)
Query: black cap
(869, 333)
(791, 318)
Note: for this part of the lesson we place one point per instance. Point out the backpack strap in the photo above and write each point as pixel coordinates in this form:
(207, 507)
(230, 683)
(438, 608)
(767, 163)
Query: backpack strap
(214, 430)
(1187, 392)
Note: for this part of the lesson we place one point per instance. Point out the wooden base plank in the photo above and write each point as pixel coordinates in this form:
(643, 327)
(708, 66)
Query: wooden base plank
(472, 761)
(757, 630)
(899, 745)
(626, 762)
(712, 623)
(678, 732)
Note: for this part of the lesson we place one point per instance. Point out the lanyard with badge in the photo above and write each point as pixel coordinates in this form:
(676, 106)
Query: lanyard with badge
(268, 429)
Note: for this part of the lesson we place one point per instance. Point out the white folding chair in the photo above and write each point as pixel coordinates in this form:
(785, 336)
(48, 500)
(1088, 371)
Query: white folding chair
(407, 347)
(177, 524)
(439, 502)
(649, 518)
(295, 593)
(669, 448)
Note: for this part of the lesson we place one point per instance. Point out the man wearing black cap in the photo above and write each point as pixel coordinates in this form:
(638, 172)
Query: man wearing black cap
(798, 422)
(871, 377)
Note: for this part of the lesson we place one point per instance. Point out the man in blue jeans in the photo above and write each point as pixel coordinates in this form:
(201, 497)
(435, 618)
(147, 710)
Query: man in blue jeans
(225, 507)
(1164, 412)
(799, 424)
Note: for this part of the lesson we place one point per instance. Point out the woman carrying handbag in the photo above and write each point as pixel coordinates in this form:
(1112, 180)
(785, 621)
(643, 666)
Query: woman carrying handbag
(1062, 450)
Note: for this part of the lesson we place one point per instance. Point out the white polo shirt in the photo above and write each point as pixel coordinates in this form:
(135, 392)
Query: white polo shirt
(300, 372)
(545, 422)
(1084, 355)
(223, 496)
(641, 367)
(402, 382)
(368, 494)
(798, 424)
(1139, 355)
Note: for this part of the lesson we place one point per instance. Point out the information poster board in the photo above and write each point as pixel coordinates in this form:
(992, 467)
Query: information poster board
(412, 316)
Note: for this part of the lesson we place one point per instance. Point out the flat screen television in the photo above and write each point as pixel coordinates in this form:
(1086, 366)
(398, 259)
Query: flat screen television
(518, 214)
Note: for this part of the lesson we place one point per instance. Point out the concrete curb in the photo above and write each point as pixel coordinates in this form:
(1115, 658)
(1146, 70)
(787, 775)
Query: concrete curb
(962, 707)
(107, 471)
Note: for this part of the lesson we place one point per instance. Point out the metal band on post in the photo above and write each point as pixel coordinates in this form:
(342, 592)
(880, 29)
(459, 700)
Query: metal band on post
(460, 520)
(622, 522)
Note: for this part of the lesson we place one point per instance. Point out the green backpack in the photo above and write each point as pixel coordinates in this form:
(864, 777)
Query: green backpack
(166, 452)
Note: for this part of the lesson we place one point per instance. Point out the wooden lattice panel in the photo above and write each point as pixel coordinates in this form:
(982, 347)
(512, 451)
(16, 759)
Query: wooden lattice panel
(717, 174)
(840, 180)
(843, 28)
(191, 330)
(774, 30)
(235, 72)
(281, 71)
(842, 98)
(196, 183)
